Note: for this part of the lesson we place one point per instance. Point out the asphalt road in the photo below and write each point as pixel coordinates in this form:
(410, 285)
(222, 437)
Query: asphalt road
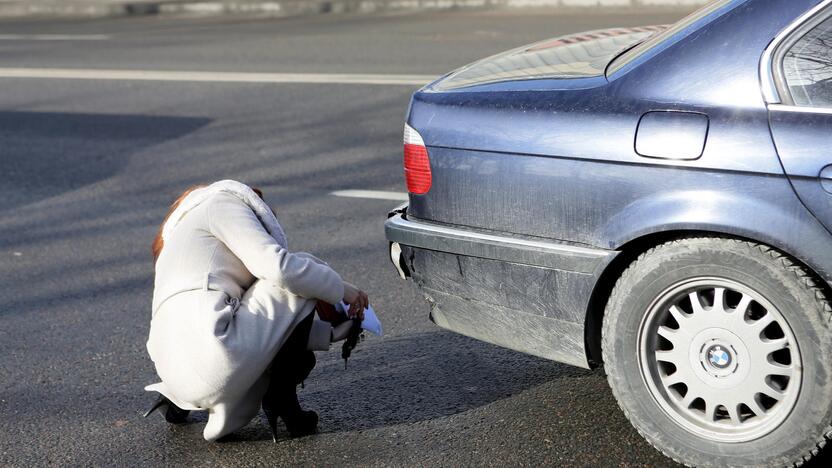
(89, 166)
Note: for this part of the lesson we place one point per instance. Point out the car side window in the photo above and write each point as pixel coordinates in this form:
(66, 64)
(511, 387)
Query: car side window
(807, 67)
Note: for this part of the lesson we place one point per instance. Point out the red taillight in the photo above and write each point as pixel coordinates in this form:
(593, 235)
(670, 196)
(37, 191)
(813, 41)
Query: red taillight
(416, 162)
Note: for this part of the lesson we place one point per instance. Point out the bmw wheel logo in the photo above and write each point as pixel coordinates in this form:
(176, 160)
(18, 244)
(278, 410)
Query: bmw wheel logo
(719, 357)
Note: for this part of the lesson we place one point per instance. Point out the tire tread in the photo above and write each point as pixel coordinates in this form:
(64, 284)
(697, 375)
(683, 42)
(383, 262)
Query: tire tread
(801, 274)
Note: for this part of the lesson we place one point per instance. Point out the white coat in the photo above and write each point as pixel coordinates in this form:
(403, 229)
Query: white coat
(227, 294)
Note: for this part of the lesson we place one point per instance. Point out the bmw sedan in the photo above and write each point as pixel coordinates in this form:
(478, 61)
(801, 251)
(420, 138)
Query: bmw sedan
(656, 200)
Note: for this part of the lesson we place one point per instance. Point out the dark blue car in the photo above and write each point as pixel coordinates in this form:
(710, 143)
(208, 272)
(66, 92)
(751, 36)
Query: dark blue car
(657, 200)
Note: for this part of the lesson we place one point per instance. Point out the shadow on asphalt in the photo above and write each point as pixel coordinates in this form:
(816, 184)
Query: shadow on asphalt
(427, 391)
(48, 153)
(425, 376)
(409, 379)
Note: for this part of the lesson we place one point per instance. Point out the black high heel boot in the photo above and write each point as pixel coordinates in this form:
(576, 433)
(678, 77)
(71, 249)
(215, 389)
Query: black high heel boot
(289, 368)
(283, 403)
(173, 414)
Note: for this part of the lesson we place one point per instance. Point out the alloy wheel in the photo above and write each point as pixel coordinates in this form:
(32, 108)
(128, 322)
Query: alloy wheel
(720, 359)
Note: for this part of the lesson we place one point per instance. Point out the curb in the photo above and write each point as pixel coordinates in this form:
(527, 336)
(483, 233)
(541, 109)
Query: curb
(285, 8)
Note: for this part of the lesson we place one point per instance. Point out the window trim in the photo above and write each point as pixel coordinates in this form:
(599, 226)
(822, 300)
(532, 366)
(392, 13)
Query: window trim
(800, 109)
(772, 82)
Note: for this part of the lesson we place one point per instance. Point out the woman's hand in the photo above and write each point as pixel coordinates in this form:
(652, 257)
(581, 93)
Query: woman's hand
(357, 299)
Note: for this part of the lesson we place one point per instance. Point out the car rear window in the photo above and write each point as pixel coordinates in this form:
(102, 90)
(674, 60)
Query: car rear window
(716, 7)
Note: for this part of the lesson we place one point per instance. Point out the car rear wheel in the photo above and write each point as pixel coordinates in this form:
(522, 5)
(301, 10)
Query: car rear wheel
(719, 351)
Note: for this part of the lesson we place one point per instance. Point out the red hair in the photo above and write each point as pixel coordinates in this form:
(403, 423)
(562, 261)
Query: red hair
(158, 242)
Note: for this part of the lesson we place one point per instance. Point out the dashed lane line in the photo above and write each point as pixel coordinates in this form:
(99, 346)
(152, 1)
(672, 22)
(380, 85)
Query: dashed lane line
(373, 194)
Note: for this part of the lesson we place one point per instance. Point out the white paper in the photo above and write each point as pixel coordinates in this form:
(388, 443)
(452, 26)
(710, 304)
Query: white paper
(371, 323)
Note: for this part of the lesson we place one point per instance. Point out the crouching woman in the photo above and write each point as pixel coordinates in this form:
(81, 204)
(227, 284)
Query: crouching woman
(233, 325)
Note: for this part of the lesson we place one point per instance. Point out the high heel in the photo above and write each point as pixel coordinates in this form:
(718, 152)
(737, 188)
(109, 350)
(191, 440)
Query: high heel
(271, 417)
(172, 413)
(290, 367)
(299, 422)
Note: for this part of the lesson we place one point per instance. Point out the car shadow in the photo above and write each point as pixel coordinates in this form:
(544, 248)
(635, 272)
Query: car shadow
(413, 378)
(431, 389)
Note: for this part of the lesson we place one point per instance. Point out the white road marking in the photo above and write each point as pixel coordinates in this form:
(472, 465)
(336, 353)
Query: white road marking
(54, 37)
(215, 77)
(374, 194)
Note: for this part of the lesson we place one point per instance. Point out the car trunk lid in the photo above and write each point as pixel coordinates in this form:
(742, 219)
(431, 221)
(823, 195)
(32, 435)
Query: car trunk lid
(579, 55)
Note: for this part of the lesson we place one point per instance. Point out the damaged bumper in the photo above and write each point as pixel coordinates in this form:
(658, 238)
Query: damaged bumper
(419, 234)
(525, 294)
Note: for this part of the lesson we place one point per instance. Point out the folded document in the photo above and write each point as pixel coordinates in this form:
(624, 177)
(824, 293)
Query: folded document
(371, 323)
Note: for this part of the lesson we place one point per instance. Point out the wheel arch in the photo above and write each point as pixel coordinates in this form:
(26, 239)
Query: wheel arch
(637, 245)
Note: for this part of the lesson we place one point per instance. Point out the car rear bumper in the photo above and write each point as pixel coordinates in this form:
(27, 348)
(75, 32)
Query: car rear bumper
(481, 244)
(525, 294)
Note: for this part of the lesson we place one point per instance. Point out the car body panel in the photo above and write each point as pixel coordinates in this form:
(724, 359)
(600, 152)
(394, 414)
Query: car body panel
(553, 300)
(535, 310)
(513, 291)
(589, 124)
(602, 205)
(555, 161)
(513, 249)
(760, 208)
(804, 143)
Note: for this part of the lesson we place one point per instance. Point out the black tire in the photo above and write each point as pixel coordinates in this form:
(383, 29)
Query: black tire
(797, 297)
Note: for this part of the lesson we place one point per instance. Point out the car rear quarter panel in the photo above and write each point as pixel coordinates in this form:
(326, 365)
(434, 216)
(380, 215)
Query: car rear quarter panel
(560, 164)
